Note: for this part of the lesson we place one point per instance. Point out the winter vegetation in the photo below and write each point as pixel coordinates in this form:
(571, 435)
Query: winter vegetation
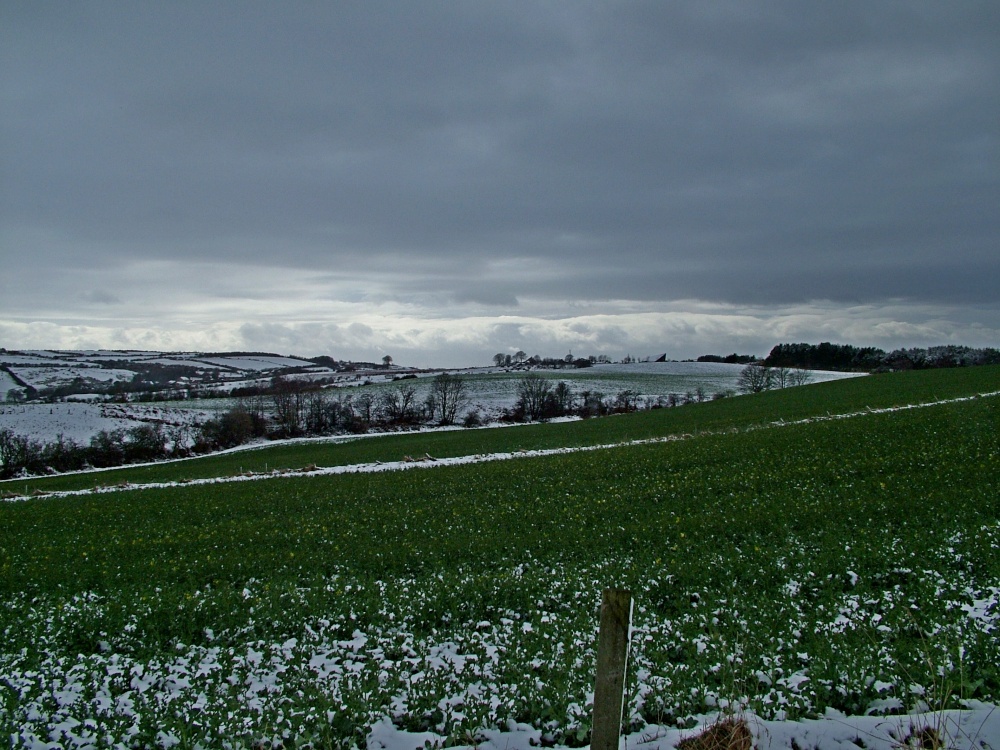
(818, 565)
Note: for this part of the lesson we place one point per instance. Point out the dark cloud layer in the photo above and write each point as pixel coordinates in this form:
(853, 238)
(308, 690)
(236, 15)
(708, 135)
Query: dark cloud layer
(495, 154)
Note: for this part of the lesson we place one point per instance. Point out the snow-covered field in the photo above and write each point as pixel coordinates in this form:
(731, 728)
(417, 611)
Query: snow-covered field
(117, 690)
(57, 375)
(80, 421)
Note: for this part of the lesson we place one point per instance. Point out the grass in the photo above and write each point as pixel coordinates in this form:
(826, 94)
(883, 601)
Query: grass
(787, 570)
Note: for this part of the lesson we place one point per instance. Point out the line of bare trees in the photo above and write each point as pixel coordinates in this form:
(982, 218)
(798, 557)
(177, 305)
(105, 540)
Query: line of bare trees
(755, 378)
(292, 409)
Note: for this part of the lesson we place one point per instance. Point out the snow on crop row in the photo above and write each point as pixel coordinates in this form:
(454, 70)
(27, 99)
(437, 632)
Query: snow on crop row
(384, 675)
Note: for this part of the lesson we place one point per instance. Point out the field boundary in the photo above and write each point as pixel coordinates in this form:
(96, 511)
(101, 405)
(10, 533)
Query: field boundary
(427, 461)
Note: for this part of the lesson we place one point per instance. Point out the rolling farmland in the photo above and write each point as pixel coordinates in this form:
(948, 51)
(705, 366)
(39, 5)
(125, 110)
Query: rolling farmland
(787, 560)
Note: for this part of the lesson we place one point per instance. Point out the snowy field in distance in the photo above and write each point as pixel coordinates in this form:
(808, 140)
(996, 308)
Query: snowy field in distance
(79, 421)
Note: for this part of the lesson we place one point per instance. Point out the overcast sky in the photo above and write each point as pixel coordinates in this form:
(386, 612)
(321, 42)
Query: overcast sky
(442, 181)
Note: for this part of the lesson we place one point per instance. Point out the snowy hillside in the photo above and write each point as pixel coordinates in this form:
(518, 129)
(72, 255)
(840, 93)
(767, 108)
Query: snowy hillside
(80, 421)
(29, 374)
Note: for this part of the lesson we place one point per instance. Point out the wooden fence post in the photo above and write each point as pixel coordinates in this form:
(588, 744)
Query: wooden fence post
(612, 656)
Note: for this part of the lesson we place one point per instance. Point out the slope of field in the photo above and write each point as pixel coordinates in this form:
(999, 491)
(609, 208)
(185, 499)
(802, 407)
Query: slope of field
(80, 421)
(828, 568)
(791, 404)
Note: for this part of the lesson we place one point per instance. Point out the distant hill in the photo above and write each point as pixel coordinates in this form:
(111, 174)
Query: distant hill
(44, 373)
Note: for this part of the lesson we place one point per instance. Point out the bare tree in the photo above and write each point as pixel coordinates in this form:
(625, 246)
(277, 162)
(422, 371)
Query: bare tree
(532, 391)
(145, 442)
(321, 413)
(365, 406)
(786, 377)
(399, 404)
(799, 377)
(288, 402)
(17, 453)
(562, 398)
(627, 400)
(448, 396)
(255, 406)
(754, 379)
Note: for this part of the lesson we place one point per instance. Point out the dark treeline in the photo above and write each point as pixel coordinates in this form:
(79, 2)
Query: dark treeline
(847, 358)
(729, 359)
(520, 360)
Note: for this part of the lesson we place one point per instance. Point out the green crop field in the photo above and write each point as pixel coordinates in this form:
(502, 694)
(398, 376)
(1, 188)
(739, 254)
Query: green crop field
(782, 561)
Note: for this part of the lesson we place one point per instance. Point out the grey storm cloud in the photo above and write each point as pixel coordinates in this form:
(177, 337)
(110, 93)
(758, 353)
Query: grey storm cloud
(450, 154)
